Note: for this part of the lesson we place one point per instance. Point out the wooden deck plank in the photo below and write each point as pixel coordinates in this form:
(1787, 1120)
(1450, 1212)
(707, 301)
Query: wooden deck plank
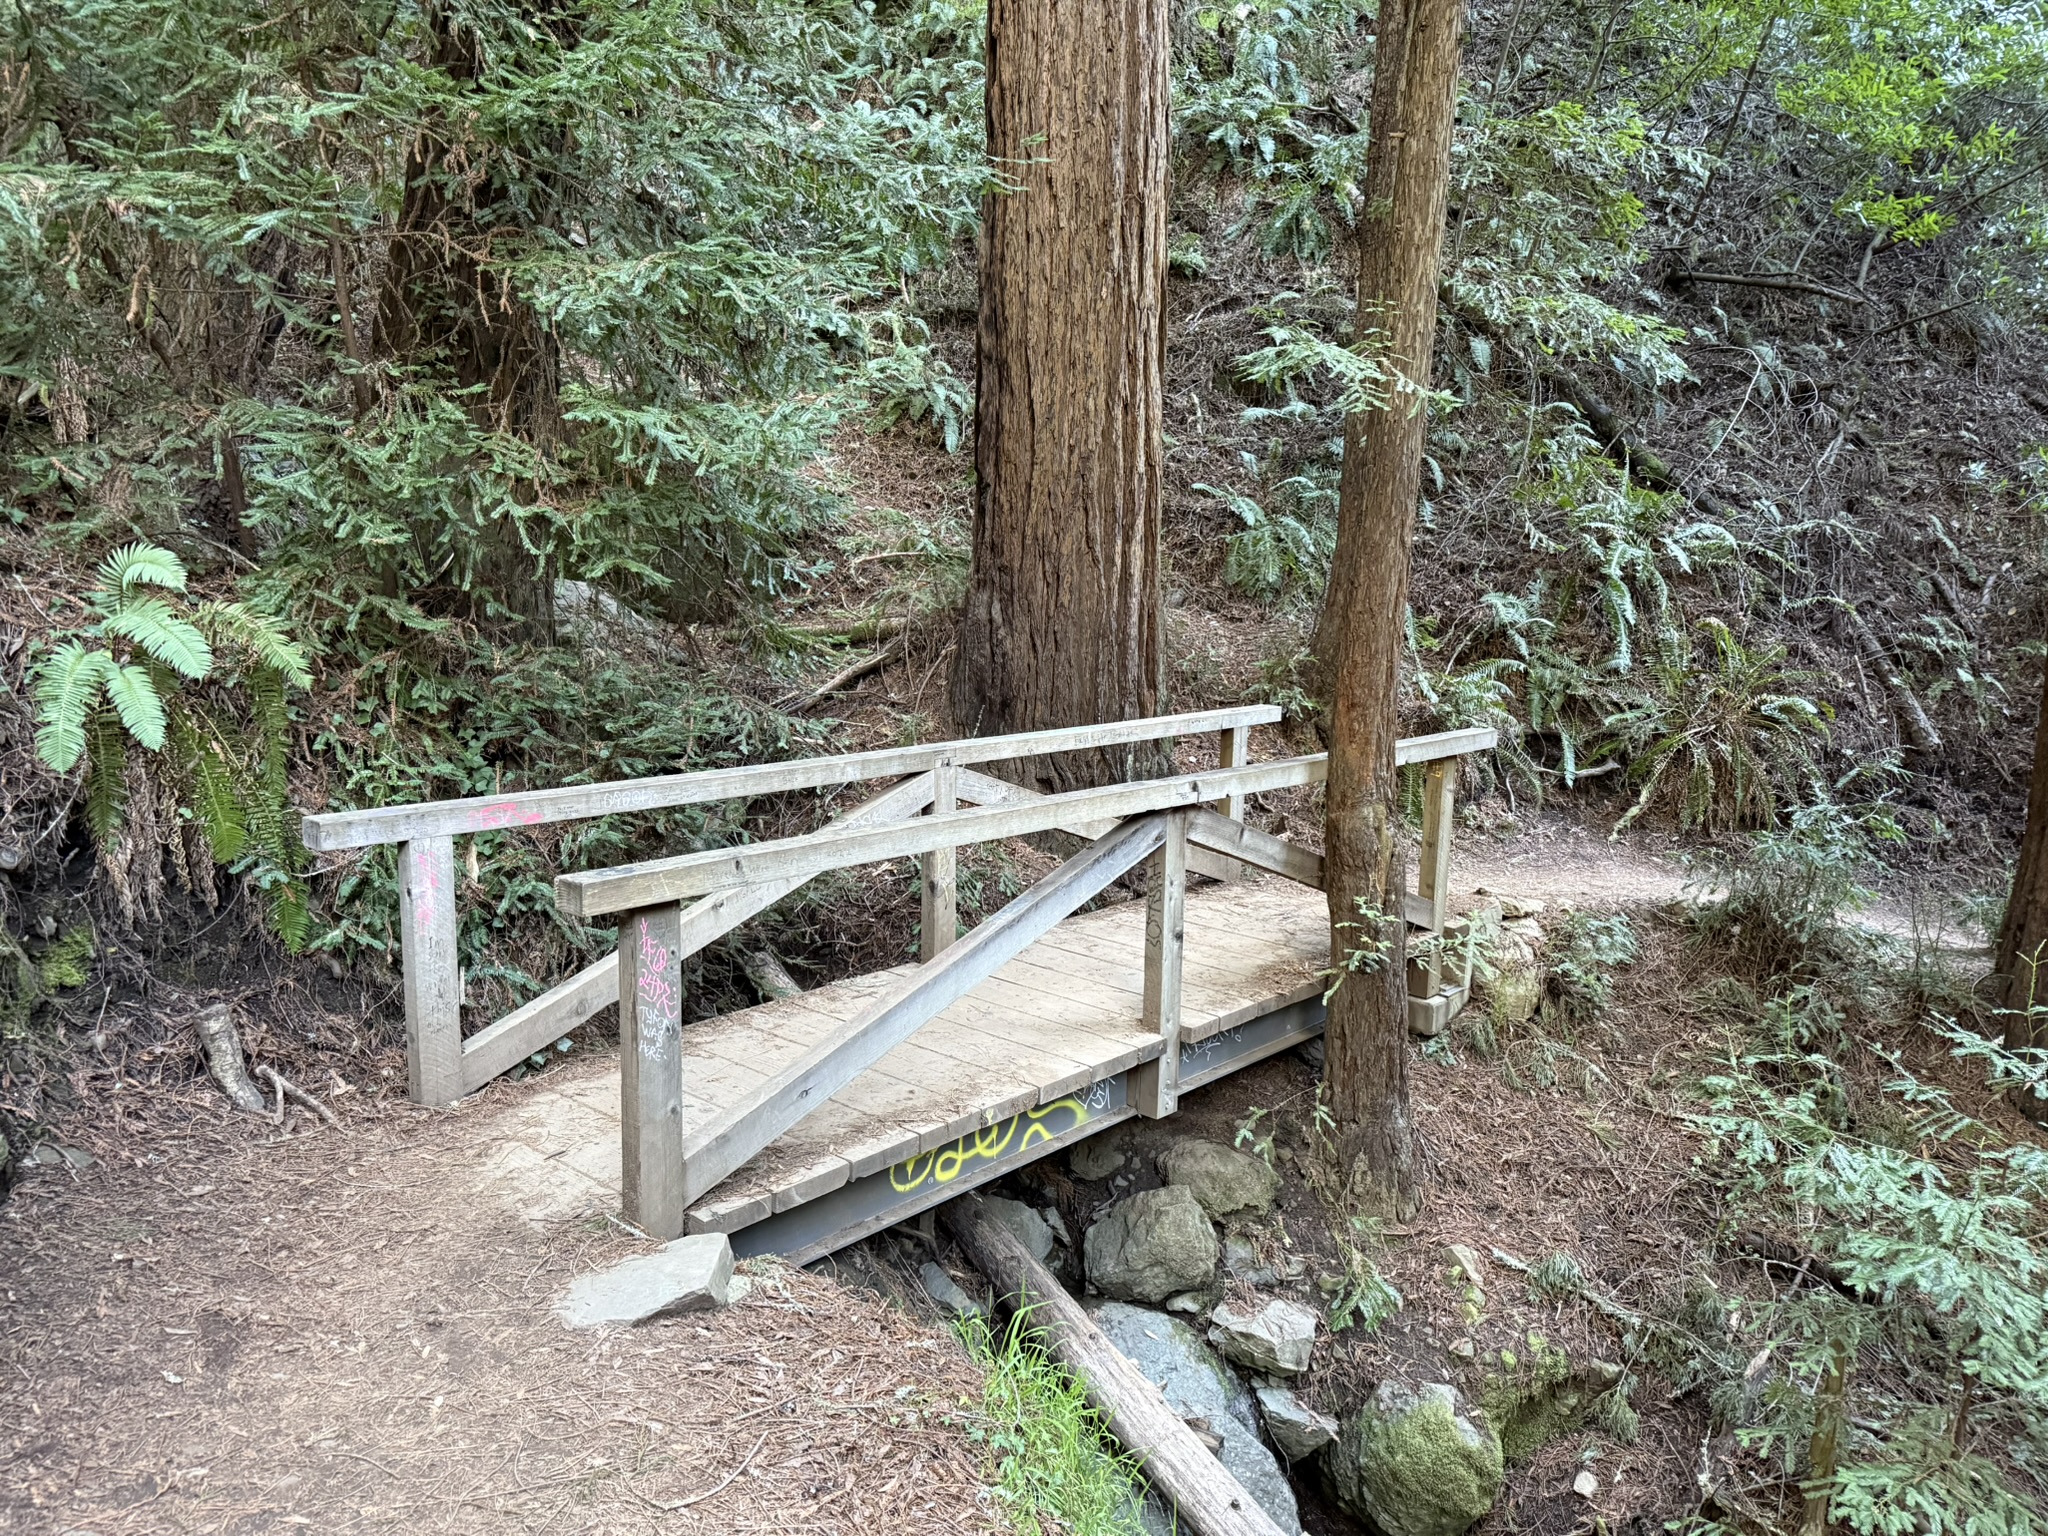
(1063, 1015)
(1218, 993)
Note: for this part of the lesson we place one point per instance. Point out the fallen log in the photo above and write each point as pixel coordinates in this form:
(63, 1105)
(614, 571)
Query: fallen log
(1913, 719)
(1205, 1498)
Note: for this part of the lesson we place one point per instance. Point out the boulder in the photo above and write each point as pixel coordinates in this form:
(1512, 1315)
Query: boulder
(688, 1275)
(1276, 1338)
(1242, 1262)
(1221, 1178)
(1022, 1223)
(1295, 1429)
(1150, 1246)
(1415, 1462)
(1199, 1386)
(1510, 982)
(946, 1291)
(1534, 1393)
(1096, 1158)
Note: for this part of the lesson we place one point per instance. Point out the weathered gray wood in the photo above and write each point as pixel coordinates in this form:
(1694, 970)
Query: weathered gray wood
(1433, 873)
(595, 892)
(496, 813)
(651, 1071)
(1206, 1500)
(1233, 750)
(432, 966)
(536, 1025)
(1155, 1087)
(986, 789)
(1261, 850)
(939, 911)
(1442, 744)
(713, 1152)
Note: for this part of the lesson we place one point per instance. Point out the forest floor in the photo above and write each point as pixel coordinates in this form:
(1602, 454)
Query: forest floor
(335, 1330)
(227, 1327)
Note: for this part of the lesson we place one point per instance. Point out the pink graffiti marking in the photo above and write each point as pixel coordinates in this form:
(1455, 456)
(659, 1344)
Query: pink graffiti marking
(657, 991)
(507, 813)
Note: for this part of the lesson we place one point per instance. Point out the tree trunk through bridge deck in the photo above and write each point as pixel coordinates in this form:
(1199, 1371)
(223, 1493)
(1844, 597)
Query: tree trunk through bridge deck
(1031, 1058)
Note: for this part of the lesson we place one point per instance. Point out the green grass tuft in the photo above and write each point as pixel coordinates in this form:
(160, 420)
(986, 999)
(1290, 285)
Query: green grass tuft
(1048, 1452)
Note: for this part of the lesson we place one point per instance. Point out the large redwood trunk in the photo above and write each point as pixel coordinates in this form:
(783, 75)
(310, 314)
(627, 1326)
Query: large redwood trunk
(1062, 619)
(1359, 638)
(2023, 939)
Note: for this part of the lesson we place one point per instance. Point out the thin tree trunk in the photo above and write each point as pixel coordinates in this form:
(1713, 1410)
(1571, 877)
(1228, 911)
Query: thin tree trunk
(1359, 637)
(2023, 937)
(1062, 618)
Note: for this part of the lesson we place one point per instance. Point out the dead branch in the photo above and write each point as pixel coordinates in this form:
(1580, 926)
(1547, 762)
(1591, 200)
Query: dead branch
(1912, 716)
(845, 678)
(285, 1086)
(1783, 282)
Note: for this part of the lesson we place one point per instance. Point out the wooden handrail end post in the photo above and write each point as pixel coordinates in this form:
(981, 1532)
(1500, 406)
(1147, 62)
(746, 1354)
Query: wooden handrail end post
(428, 923)
(652, 1183)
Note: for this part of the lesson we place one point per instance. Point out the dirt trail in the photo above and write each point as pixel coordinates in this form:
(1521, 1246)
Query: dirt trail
(1573, 866)
(353, 1333)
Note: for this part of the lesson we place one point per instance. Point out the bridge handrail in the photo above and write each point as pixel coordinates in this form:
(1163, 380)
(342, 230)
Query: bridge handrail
(331, 830)
(594, 893)
(668, 1164)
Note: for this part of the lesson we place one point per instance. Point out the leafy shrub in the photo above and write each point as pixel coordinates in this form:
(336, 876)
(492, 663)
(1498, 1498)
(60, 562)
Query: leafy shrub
(1718, 735)
(909, 382)
(1283, 549)
(1906, 1386)
(1590, 949)
(1782, 911)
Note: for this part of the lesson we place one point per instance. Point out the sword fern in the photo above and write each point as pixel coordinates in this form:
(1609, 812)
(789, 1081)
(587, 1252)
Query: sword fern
(200, 688)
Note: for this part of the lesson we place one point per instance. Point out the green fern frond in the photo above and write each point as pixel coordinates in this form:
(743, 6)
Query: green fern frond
(138, 703)
(264, 638)
(210, 782)
(106, 776)
(67, 685)
(141, 565)
(291, 914)
(162, 634)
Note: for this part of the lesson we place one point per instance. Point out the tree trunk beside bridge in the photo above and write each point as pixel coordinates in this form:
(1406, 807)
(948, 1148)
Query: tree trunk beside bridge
(1359, 639)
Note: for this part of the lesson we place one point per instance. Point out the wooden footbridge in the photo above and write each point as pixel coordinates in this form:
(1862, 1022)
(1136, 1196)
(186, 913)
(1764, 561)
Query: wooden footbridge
(803, 1124)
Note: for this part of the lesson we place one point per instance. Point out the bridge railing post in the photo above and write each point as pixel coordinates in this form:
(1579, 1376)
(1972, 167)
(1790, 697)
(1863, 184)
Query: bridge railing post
(427, 922)
(1433, 887)
(1233, 750)
(939, 911)
(651, 1070)
(1155, 1086)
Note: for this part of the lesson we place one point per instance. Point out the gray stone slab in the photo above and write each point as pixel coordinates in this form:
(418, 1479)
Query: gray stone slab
(691, 1274)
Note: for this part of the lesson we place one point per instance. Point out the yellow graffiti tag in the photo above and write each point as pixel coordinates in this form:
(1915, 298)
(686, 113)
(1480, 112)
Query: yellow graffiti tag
(1017, 1133)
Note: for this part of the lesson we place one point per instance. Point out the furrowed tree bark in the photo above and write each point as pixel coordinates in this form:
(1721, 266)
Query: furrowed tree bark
(2023, 936)
(1062, 618)
(1359, 637)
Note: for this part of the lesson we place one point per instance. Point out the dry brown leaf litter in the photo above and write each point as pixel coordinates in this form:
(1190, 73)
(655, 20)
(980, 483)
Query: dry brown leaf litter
(330, 1334)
